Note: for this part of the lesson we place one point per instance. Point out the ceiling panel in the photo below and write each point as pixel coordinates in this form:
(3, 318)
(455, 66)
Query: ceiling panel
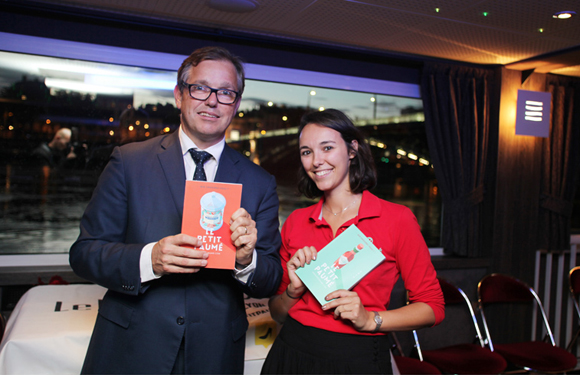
(459, 30)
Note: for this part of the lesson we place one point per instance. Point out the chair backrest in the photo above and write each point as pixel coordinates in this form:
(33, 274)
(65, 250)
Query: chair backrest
(2, 326)
(499, 288)
(454, 295)
(574, 283)
(574, 280)
(455, 321)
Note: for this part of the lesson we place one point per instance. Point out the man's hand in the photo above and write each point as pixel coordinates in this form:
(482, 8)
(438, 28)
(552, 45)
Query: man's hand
(244, 235)
(177, 254)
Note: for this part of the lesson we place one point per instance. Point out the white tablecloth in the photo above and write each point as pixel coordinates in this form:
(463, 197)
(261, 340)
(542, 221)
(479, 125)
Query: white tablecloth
(49, 330)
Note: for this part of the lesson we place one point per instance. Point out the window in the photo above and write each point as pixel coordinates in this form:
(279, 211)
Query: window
(105, 98)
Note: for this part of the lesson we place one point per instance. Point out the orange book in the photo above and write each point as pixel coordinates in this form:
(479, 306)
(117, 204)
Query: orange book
(207, 210)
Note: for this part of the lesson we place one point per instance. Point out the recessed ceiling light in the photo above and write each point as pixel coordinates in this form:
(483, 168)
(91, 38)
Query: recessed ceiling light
(564, 14)
(235, 6)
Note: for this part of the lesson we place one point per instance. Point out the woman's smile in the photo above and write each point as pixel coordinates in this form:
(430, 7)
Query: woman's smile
(323, 173)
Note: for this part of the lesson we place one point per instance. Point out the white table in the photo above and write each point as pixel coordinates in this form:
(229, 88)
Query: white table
(49, 330)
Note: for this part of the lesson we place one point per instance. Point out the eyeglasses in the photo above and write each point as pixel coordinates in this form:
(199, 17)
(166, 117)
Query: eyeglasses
(202, 92)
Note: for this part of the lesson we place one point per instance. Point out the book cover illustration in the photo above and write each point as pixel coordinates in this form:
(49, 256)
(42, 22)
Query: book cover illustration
(341, 264)
(207, 209)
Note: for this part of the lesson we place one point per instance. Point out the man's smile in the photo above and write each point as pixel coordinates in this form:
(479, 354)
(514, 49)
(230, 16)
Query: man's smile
(205, 114)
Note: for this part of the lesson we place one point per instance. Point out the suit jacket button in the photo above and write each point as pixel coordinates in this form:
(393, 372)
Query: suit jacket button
(180, 320)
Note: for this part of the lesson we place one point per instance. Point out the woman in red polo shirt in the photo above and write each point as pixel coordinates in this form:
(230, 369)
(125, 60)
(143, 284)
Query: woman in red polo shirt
(348, 333)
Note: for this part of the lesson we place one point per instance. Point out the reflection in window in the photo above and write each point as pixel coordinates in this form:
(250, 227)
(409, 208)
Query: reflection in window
(47, 178)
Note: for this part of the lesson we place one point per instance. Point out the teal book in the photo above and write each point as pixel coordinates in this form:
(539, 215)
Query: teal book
(341, 264)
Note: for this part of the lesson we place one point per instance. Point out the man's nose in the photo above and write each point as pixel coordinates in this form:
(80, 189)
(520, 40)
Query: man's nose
(212, 99)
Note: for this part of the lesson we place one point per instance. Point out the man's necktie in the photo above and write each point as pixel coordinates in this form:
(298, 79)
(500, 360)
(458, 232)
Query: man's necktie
(199, 157)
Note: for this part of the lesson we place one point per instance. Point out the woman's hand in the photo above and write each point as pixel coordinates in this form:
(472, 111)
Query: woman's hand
(280, 304)
(303, 256)
(348, 306)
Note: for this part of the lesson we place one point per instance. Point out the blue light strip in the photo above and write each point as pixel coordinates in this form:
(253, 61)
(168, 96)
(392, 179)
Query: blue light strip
(166, 61)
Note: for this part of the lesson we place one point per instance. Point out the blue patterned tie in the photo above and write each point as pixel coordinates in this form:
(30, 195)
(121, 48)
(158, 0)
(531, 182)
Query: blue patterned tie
(199, 157)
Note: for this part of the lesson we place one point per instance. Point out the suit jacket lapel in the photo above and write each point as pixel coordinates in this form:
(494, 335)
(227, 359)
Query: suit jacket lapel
(171, 159)
(227, 171)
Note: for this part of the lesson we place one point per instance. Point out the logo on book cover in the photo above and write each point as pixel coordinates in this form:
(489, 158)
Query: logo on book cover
(347, 257)
(212, 211)
(331, 275)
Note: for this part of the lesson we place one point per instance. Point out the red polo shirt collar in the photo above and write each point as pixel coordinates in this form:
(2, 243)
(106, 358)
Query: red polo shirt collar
(370, 207)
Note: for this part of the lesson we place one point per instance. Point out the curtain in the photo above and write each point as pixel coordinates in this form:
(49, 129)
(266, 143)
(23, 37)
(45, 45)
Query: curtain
(560, 164)
(456, 102)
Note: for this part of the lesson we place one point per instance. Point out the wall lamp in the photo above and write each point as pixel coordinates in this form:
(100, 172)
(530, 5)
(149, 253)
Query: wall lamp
(533, 113)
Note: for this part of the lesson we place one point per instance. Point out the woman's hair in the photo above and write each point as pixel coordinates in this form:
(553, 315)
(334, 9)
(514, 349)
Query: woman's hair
(362, 171)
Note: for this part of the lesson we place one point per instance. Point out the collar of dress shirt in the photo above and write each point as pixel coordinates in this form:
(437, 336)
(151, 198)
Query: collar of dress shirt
(215, 151)
(186, 143)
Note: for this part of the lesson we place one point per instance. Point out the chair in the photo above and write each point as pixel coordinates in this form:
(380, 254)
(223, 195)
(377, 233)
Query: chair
(464, 357)
(409, 365)
(2, 326)
(574, 281)
(537, 356)
(413, 366)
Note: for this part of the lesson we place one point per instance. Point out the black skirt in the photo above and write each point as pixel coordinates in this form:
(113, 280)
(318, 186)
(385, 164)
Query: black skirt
(300, 349)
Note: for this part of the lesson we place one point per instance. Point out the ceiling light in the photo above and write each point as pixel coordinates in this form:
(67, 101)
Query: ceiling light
(564, 14)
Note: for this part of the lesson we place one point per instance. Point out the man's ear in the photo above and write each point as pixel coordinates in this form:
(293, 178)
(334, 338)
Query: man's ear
(177, 94)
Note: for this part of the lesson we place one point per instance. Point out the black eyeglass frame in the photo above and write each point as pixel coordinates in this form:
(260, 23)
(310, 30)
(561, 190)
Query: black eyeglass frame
(212, 90)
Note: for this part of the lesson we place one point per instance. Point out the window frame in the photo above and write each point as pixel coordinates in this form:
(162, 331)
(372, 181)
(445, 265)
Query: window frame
(18, 43)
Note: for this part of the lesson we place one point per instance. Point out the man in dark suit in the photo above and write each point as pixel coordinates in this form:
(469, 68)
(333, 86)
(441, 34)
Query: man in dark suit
(163, 311)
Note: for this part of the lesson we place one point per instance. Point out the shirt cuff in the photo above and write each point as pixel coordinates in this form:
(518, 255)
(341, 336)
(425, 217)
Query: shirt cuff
(244, 275)
(145, 264)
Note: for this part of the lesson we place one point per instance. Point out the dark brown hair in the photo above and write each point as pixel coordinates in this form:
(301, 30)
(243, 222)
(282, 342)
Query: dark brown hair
(362, 171)
(211, 53)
